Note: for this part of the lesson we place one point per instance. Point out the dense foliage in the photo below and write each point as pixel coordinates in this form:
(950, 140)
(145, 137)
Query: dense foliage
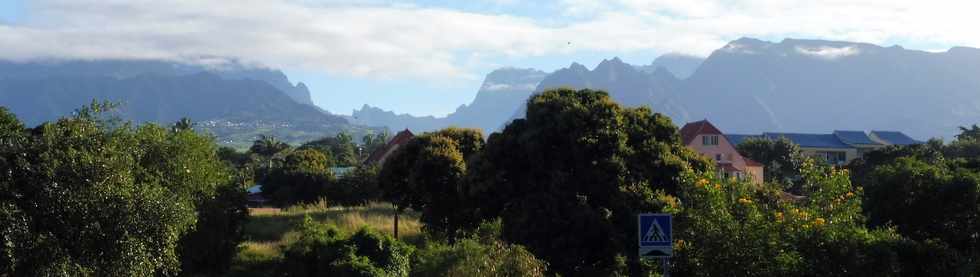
(481, 254)
(341, 148)
(928, 192)
(322, 250)
(781, 157)
(427, 174)
(356, 188)
(568, 180)
(86, 196)
(303, 178)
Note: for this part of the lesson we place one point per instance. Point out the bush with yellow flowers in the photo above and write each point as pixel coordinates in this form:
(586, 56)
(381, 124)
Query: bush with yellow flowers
(733, 228)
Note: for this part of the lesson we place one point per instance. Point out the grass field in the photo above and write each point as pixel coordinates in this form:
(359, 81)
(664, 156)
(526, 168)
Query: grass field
(270, 229)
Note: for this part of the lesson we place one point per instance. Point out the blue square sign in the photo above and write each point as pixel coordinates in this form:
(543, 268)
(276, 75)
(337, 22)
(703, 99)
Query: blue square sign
(656, 235)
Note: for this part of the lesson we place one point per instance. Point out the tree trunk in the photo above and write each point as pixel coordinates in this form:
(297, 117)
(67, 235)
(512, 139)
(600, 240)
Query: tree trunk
(397, 212)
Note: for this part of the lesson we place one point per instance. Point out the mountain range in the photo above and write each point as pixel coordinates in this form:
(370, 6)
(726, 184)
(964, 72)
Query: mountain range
(502, 93)
(752, 86)
(233, 101)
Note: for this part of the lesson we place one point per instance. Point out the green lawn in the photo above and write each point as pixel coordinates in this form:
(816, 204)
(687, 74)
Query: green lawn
(270, 229)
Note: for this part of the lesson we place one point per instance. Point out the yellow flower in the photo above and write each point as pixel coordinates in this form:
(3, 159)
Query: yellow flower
(744, 201)
(701, 183)
(779, 216)
(819, 221)
(850, 194)
(717, 186)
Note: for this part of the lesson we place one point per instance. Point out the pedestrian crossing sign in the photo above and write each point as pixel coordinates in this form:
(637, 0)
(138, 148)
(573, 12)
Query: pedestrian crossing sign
(655, 235)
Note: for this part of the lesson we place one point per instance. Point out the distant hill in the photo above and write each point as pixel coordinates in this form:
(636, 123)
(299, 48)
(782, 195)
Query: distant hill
(502, 93)
(122, 69)
(234, 102)
(680, 65)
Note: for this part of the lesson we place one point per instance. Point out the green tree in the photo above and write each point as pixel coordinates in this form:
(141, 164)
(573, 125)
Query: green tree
(79, 191)
(183, 124)
(969, 133)
(927, 201)
(303, 178)
(782, 158)
(372, 142)
(358, 187)
(427, 174)
(569, 180)
(728, 228)
(341, 147)
(268, 146)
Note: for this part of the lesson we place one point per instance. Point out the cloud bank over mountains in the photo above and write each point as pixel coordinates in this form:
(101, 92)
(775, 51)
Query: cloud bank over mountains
(439, 42)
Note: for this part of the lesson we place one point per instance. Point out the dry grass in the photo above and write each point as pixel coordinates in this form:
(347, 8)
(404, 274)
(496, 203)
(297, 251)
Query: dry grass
(271, 229)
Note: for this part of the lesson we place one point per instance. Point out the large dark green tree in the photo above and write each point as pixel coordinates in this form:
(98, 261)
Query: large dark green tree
(569, 180)
(427, 175)
(781, 157)
(88, 197)
(303, 178)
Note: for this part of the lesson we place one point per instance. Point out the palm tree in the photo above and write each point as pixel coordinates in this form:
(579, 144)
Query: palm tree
(183, 125)
(268, 146)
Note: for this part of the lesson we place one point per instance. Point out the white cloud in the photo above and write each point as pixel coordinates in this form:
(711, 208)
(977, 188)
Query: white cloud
(405, 40)
(827, 52)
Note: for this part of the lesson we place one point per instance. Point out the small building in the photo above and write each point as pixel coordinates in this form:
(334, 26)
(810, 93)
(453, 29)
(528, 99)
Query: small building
(255, 198)
(379, 156)
(340, 172)
(706, 139)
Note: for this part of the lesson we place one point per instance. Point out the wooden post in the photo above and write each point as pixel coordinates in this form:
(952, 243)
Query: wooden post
(396, 220)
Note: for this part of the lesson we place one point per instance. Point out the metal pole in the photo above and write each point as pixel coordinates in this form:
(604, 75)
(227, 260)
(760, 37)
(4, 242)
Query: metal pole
(666, 266)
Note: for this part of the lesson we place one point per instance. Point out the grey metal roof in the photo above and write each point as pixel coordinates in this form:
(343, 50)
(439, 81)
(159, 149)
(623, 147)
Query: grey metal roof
(811, 140)
(855, 137)
(896, 138)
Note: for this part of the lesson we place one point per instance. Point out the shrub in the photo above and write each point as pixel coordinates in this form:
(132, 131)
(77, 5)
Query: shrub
(483, 254)
(322, 250)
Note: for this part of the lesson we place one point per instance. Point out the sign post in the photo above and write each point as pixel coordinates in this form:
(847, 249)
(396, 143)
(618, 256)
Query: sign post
(656, 238)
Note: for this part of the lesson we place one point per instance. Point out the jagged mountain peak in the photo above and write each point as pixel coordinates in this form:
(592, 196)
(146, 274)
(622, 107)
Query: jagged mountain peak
(577, 67)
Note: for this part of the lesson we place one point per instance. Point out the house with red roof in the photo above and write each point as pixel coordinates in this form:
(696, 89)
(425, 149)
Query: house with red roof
(379, 156)
(706, 139)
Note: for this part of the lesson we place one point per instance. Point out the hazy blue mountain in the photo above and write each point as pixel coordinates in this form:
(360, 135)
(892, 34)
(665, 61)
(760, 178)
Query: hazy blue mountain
(626, 84)
(801, 86)
(374, 116)
(122, 69)
(818, 86)
(502, 93)
(234, 103)
(680, 65)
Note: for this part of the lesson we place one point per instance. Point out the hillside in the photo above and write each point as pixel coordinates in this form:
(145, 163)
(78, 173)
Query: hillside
(234, 102)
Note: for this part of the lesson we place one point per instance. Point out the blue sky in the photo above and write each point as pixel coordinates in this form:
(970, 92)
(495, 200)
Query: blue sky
(10, 10)
(429, 57)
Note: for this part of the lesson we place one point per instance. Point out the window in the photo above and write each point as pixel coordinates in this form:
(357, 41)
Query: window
(709, 140)
(717, 157)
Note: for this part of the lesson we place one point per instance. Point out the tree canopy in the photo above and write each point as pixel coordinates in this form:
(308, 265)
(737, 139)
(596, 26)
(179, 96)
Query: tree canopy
(87, 196)
(568, 180)
(781, 157)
